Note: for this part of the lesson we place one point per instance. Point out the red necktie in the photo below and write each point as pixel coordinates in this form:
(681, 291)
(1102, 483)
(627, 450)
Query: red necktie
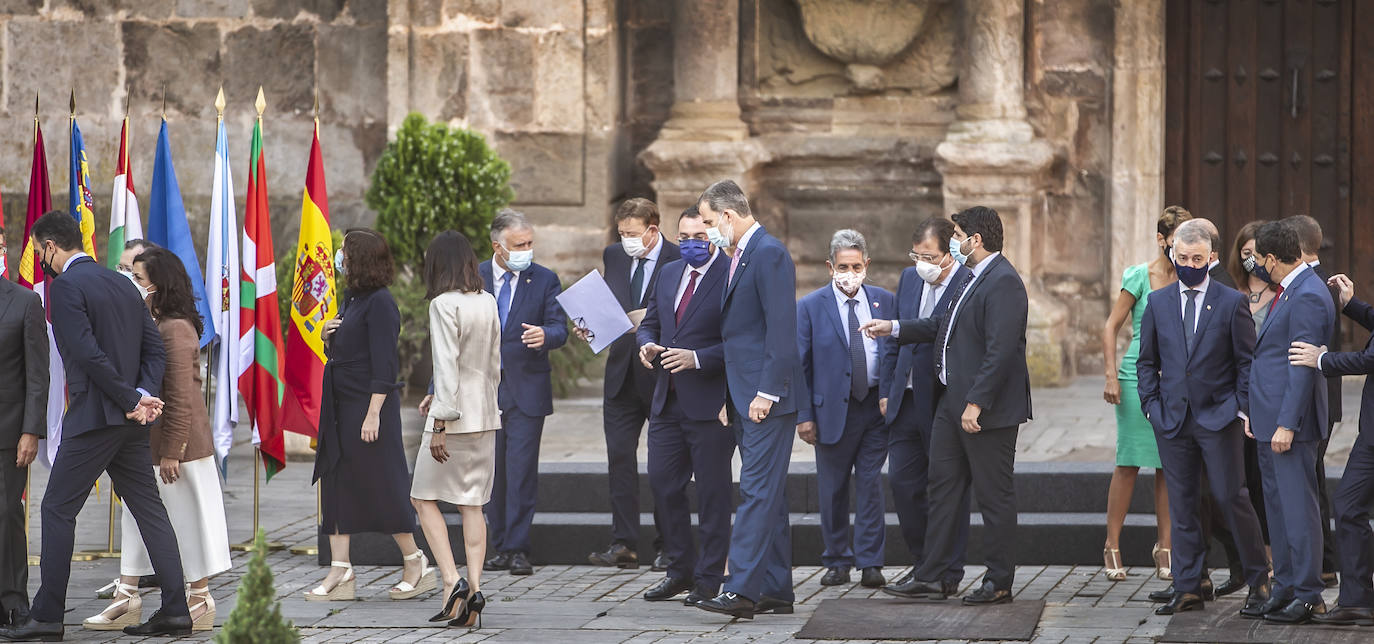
(686, 297)
(1275, 302)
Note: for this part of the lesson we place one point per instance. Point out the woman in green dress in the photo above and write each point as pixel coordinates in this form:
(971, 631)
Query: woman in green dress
(1135, 437)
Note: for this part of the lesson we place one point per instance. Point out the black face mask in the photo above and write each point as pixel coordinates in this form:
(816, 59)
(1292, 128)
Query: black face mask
(46, 264)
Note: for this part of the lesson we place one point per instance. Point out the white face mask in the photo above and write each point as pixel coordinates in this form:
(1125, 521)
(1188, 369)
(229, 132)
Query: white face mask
(724, 236)
(634, 246)
(929, 272)
(142, 290)
(850, 282)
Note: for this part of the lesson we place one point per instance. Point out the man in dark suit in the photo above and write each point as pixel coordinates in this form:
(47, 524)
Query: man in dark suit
(681, 331)
(764, 390)
(980, 358)
(632, 270)
(909, 395)
(1216, 270)
(113, 357)
(532, 325)
(842, 419)
(1355, 606)
(1288, 419)
(1210, 351)
(23, 421)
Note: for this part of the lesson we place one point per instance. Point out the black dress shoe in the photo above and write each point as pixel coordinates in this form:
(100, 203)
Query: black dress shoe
(661, 562)
(33, 631)
(917, 589)
(987, 595)
(772, 606)
(160, 625)
(904, 579)
(1296, 612)
(835, 575)
(1181, 603)
(1339, 615)
(500, 562)
(619, 555)
(697, 596)
(873, 578)
(1257, 604)
(1232, 584)
(520, 564)
(668, 589)
(731, 604)
(1162, 596)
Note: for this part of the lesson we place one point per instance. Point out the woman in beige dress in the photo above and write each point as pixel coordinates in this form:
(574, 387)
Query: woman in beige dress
(457, 458)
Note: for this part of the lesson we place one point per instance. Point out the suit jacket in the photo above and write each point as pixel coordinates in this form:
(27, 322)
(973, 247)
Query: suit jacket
(915, 362)
(1218, 274)
(823, 342)
(465, 336)
(1212, 381)
(1333, 383)
(1356, 363)
(110, 347)
(1282, 395)
(700, 391)
(623, 357)
(183, 431)
(985, 363)
(759, 325)
(525, 380)
(24, 357)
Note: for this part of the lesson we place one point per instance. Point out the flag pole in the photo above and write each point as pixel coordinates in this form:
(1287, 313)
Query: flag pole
(28, 501)
(306, 548)
(213, 346)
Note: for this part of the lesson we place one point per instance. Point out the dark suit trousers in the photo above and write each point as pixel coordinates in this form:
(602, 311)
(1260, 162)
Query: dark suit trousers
(623, 418)
(123, 453)
(1290, 496)
(1222, 453)
(679, 450)
(984, 462)
(908, 471)
(14, 554)
(510, 512)
(1254, 482)
(861, 450)
(761, 543)
(1330, 560)
(1353, 500)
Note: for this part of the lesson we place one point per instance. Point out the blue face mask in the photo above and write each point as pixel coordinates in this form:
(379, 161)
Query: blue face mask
(954, 249)
(1191, 276)
(717, 239)
(695, 252)
(1253, 267)
(338, 261)
(518, 260)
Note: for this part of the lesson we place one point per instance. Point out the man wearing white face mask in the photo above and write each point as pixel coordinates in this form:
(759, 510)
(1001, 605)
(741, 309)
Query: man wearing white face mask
(132, 249)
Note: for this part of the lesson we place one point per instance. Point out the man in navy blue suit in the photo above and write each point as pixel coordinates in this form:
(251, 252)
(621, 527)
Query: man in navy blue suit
(1210, 351)
(843, 419)
(681, 331)
(532, 325)
(1353, 498)
(1288, 419)
(114, 360)
(632, 268)
(764, 390)
(909, 393)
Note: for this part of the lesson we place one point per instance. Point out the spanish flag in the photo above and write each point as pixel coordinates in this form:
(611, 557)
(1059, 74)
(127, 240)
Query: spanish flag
(313, 302)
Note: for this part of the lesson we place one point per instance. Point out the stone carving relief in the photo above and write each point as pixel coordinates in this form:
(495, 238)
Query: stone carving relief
(811, 48)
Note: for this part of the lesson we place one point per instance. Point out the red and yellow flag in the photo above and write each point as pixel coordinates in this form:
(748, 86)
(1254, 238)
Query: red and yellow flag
(40, 202)
(313, 302)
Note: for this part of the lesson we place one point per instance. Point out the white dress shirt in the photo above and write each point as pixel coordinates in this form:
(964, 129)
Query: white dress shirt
(682, 288)
(864, 311)
(71, 259)
(930, 298)
(497, 272)
(1197, 299)
(650, 262)
(954, 310)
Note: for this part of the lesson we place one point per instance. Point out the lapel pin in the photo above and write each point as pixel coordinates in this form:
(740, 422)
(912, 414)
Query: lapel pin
(875, 305)
(1209, 307)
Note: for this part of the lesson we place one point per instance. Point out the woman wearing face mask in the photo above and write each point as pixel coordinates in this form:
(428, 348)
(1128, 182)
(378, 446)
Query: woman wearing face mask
(1261, 293)
(1135, 437)
(361, 462)
(183, 451)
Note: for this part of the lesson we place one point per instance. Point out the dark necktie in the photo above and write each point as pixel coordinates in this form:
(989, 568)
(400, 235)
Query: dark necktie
(503, 298)
(1189, 318)
(637, 283)
(945, 323)
(858, 357)
(687, 297)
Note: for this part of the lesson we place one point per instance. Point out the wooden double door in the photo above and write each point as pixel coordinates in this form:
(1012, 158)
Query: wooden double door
(1269, 112)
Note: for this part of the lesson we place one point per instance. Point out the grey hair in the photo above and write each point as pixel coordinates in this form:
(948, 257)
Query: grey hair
(848, 239)
(1194, 231)
(139, 244)
(507, 219)
(726, 194)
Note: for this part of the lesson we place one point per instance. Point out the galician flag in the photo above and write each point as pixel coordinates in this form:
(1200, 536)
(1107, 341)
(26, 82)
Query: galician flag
(313, 302)
(260, 346)
(79, 190)
(222, 276)
(125, 224)
(31, 276)
(168, 228)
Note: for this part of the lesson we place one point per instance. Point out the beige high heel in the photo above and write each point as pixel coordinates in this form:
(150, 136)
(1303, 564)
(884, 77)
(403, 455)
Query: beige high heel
(1164, 568)
(124, 595)
(405, 590)
(1111, 564)
(206, 620)
(344, 590)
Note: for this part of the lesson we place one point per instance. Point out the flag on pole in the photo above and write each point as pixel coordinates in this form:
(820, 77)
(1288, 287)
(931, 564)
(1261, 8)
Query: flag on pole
(79, 201)
(260, 365)
(222, 274)
(125, 224)
(313, 302)
(167, 227)
(4, 258)
(32, 277)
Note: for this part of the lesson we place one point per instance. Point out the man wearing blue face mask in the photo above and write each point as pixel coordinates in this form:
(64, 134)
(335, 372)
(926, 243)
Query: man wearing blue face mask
(532, 325)
(632, 267)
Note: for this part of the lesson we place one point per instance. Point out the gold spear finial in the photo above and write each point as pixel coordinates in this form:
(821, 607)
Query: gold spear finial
(128, 93)
(35, 116)
(71, 104)
(164, 101)
(317, 106)
(219, 104)
(260, 103)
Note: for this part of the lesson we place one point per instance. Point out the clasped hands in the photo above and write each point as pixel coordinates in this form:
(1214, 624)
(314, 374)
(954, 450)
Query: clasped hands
(148, 410)
(674, 360)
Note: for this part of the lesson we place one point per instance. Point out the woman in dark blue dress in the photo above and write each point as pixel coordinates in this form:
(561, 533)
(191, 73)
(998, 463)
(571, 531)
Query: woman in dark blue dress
(361, 462)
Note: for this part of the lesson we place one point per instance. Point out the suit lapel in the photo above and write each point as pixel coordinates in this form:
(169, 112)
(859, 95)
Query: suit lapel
(833, 303)
(754, 243)
(968, 293)
(1204, 314)
(947, 296)
(706, 286)
(1279, 307)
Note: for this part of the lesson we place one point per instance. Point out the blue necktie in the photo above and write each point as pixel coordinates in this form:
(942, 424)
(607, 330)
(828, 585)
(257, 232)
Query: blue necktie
(1190, 319)
(503, 298)
(858, 357)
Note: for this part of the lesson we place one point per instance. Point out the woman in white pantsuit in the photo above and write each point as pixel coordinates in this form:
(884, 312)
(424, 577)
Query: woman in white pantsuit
(457, 458)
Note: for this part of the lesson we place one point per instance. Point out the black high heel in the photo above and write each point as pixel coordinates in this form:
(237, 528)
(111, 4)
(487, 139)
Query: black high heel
(460, 592)
(472, 612)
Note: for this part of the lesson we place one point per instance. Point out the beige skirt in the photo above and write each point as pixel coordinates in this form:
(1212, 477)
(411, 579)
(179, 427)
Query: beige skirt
(466, 478)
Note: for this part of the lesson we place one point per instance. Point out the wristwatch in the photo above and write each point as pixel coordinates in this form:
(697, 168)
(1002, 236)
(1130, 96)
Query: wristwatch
(440, 426)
